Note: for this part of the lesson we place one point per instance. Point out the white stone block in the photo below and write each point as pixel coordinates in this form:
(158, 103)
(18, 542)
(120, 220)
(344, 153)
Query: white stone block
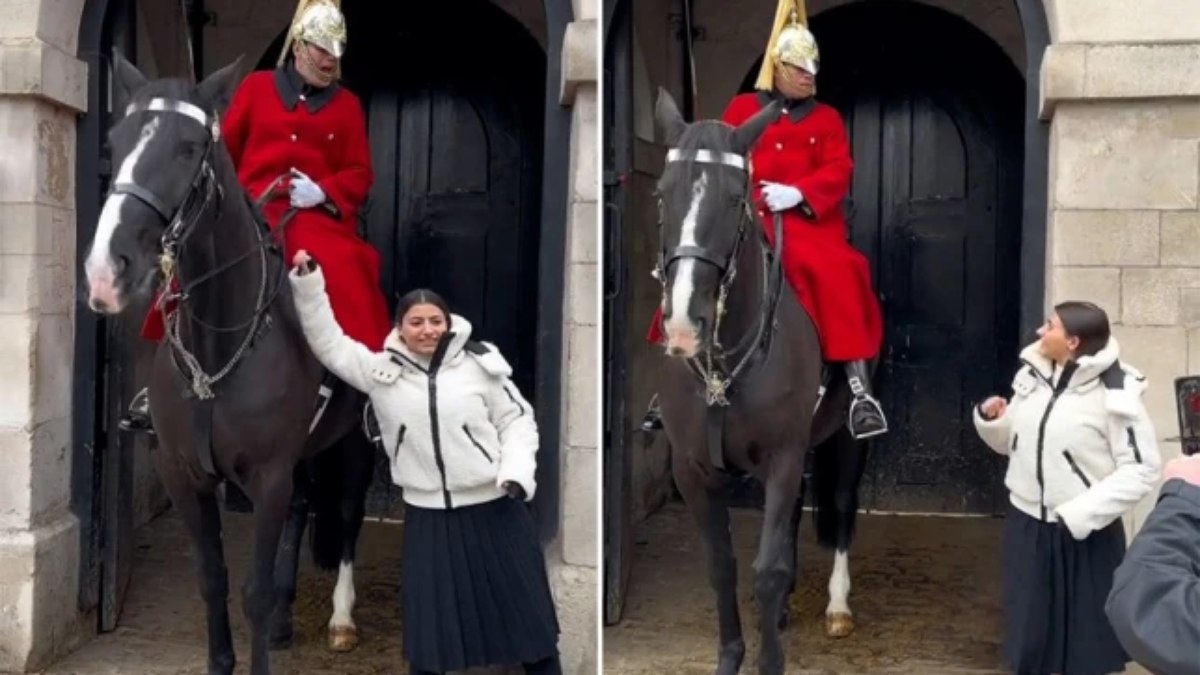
(1117, 21)
(585, 167)
(585, 228)
(1162, 355)
(582, 301)
(581, 389)
(54, 370)
(579, 510)
(1122, 156)
(1117, 238)
(1146, 70)
(580, 56)
(1152, 297)
(16, 355)
(1181, 238)
(18, 283)
(1101, 285)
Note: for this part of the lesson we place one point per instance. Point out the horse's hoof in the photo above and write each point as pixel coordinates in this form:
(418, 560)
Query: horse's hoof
(343, 639)
(839, 624)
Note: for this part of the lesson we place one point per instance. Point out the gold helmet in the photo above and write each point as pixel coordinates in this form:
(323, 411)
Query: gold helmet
(318, 22)
(790, 43)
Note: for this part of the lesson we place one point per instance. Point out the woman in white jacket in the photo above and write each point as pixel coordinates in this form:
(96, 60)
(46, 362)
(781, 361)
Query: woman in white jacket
(462, 443)
(1082, 453)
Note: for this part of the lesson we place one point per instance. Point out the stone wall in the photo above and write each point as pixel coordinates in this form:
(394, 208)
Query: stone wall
(42, 88)
(1125, 182)
(574, 557)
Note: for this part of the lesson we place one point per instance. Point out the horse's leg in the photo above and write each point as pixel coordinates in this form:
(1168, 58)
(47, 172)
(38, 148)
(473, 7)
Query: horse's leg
(710, 509)
(202, 517)
(358, 456)
(851, 460)
(794, 526)
(288, 563)
(773, 567)
(271, 490)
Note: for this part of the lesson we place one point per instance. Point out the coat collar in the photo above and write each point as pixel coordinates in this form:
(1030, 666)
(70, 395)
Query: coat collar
(292, 89)
(796, 108)
(1084, 370)
(458, 337)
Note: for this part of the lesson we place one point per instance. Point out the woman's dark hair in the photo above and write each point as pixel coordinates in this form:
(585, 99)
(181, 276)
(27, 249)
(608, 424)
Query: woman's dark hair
(1087, 322)
(421, 296)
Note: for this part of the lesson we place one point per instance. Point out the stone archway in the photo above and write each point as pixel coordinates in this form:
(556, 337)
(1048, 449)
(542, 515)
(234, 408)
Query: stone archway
(47, 102)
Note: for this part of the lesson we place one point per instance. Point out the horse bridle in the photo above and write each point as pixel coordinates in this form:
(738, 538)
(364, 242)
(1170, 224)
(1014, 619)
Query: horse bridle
(202, 192)
(716, 381)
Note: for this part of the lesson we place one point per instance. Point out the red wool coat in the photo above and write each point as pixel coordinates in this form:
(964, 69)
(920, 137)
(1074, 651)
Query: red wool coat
(808, 149)
(270, 129)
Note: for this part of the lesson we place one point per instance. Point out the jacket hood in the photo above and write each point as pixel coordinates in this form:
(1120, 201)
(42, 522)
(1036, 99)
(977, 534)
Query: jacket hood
(1124, 384)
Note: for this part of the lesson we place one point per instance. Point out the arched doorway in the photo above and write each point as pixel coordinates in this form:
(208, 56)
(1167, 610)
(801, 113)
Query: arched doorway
(456, 146)
(936, 208)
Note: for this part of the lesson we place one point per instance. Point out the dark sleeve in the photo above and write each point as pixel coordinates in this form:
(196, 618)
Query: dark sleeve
(1154, 606)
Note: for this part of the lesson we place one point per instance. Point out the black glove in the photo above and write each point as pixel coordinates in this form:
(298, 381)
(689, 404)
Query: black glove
(514, 490)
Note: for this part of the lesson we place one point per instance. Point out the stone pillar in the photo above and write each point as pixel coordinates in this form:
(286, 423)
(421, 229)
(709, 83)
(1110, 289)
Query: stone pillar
(574, 555)
(42, 88)
(1123, 98)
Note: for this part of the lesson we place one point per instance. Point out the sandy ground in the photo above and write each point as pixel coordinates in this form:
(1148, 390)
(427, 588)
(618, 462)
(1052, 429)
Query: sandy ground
(161, 630)
(926, 597)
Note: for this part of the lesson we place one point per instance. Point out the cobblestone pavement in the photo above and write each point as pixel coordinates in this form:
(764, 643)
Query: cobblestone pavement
(162, 632)
(926, 597)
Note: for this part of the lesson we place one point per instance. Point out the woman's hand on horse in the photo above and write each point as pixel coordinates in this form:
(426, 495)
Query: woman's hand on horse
(993, 408)
(514, 490)
(1184, 468)
(303, 262)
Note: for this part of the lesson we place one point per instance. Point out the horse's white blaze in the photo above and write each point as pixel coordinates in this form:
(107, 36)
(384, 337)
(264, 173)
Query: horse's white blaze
(679, 326)
(343, 596)
(99, 265)
(839, 585)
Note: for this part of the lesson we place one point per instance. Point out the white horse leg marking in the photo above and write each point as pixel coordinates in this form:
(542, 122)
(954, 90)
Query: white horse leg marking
(681, 332)
(101, 274)
(343, 597)
(839, 585)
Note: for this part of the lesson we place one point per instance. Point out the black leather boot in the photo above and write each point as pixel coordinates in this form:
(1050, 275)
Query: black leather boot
(137, 418)
(652, 421)
(866, 415)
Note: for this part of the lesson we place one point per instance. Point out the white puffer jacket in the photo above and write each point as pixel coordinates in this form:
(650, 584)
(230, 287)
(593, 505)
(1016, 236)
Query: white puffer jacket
(1080, 443)
(455, 430)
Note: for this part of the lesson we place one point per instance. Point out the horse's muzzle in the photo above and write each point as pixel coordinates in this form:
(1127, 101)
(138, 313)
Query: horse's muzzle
(683, 342)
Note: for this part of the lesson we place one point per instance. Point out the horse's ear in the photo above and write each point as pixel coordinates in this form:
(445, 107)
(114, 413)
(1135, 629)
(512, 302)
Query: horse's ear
(745, 135)
(217, 89)
(669, 119)
(128, 78)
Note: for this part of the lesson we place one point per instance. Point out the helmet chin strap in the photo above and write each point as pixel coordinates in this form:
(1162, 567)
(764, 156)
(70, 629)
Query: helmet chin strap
(314, 71)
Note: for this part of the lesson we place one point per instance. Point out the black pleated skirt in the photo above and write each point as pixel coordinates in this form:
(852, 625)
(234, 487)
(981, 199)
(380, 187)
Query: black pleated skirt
(1054, 593)
(475, 588)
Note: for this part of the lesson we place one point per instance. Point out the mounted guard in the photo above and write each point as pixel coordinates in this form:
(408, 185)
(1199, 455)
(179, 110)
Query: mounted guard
(298, 141)
(801, 168)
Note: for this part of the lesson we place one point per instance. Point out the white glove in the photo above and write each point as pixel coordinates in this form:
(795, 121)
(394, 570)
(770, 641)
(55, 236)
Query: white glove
(780, 197)
(304, 192)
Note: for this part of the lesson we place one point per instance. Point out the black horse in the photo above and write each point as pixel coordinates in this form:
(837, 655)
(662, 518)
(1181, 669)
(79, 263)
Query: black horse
(234, 387)
(746, 391)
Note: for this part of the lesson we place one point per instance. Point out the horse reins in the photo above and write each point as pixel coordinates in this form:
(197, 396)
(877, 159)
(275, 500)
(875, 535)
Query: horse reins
(180, 225)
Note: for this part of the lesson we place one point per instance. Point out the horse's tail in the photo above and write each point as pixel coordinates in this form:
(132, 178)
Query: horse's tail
(328, 487)
(837, 468)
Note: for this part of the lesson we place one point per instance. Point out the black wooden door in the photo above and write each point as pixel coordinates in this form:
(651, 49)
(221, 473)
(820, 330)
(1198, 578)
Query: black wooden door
(456, 150)
(935, 207)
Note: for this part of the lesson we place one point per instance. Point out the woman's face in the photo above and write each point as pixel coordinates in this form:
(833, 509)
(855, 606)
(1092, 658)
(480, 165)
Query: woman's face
(1055, 343)
(421, 327)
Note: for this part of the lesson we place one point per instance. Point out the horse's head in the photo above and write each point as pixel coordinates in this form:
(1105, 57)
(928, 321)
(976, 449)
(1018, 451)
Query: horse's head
(703, 212)
(164, 149)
